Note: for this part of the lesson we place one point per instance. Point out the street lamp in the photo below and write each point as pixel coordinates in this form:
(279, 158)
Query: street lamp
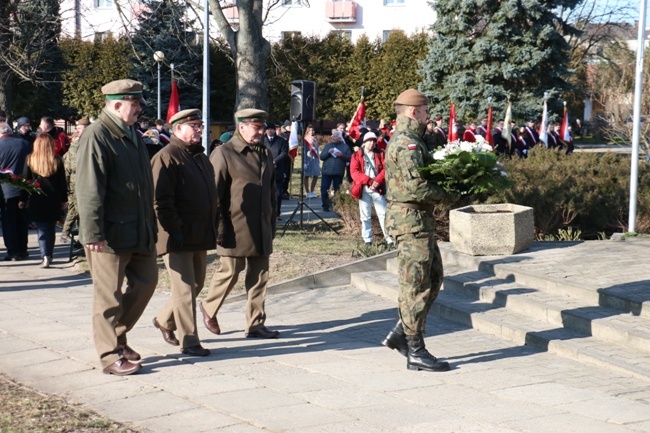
(159, 56)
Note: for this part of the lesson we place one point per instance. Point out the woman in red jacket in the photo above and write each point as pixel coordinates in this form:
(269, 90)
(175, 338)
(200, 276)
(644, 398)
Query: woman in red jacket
(367, 171)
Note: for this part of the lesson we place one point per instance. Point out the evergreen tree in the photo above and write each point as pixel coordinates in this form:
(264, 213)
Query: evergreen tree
(30, 58)
(496, 49)
(90, 65)
(399, 53)
(163, 27)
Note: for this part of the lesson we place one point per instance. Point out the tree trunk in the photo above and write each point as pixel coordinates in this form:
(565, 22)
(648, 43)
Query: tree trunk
(250, 51)
(6, 92)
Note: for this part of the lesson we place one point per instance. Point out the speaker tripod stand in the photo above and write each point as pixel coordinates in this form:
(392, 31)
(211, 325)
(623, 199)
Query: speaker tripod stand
(301, 202)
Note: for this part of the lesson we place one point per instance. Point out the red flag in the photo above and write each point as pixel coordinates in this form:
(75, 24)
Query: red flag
(453, 128)
(488, 135)
(358, 120)
(564, 128)
(174, 102)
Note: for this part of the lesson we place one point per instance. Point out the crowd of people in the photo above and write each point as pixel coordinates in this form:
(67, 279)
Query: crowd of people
(137, 192)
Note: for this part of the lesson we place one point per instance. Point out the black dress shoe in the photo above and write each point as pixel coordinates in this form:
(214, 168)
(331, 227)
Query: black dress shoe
(168, 335)
(263, 332)
(210, 322)
(122, 367)
(11, 258)
(129, 353)
(197, 350)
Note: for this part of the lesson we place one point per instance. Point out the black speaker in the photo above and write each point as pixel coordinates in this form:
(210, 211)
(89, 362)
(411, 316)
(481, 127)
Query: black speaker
(303, 100)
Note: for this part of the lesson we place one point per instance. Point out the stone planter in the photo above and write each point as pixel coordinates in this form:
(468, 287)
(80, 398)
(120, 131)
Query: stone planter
(491, 229)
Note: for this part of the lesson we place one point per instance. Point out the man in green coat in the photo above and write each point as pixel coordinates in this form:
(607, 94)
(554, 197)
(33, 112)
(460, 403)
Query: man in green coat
(410, 222)
(117, 225)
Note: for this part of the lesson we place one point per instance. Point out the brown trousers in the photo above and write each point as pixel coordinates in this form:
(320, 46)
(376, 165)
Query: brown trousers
(115, 311)
(256, 279)
(187, 275)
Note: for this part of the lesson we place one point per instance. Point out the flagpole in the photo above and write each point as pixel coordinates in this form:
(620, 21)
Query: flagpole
(206, 77)
(636, 125)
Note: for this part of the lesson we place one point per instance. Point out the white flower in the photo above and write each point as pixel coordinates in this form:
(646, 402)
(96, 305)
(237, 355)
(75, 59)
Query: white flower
(504, 174)
(440, 154)
(467, 147)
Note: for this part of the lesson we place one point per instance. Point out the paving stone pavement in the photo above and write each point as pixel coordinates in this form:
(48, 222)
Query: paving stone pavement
(328, 372)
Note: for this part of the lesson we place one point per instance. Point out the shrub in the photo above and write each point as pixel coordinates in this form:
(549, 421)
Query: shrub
(348, 209)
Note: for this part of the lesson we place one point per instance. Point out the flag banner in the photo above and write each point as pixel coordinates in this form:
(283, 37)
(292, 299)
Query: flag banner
(174, 102)
(543, 127)
(507, 125)
(453, 128)
(293, 136)
(488, 135)
(564, 128)
(358, 121)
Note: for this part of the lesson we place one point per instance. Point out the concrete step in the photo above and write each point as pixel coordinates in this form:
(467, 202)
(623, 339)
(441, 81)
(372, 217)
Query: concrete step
(625, 299)
(534, 318)
(604, 323)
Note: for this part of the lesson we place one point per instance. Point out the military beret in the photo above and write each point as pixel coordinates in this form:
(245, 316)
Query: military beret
(251, 115)
(124, 89)
(438, 117)
(412, 97)
(83, 121)
(185, 116)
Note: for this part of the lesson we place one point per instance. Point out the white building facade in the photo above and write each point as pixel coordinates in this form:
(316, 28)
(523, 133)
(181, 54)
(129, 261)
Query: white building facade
(351, 19)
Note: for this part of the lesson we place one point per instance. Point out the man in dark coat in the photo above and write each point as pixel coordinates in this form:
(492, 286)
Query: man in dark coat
(245, 178)
(117, 225)
(13, 153)
(186, 209)
(279, 148)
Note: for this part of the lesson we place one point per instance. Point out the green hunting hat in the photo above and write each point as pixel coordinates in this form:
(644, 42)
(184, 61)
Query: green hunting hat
(186, 116)
(124, 89)
(251, 115)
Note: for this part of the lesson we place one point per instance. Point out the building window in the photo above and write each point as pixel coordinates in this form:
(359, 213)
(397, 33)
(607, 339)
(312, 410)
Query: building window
(384, 35)
(102, 36)
(289, 3)
(343, 34)
(103, 4)
(394, 2)
(287, 35)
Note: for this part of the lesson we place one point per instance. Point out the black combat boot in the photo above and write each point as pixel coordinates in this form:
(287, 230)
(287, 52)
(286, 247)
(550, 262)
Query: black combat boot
(419, 357)
(396, 339)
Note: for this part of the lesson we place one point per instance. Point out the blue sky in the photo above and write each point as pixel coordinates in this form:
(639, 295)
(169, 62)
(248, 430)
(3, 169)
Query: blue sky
(633, 7)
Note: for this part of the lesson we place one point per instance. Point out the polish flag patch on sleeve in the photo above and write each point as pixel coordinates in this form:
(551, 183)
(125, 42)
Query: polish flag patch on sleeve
(412, 146)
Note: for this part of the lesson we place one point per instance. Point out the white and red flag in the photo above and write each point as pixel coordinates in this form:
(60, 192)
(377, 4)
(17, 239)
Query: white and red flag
(507, 125)
(453, 127)
(174, 102)
(543, 126)
(564, 127)
(488, 134)
(358, 121)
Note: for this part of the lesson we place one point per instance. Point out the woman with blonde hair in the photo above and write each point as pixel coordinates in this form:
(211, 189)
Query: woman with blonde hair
(44, 166)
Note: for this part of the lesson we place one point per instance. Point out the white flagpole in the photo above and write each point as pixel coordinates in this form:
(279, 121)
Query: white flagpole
(206, 77)
(636, 126)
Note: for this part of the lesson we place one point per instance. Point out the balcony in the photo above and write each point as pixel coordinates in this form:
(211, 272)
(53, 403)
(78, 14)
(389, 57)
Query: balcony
(341, 11)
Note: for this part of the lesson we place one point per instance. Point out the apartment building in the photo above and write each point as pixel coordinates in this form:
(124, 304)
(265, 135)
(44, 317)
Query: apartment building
(351, 19)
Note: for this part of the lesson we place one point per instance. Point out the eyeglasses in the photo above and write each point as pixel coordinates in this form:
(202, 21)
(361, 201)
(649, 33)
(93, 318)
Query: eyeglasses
(194, 126)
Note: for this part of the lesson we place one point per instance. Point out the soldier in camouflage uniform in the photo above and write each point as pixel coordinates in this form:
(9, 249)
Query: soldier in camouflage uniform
(69, 159)
(409, 220)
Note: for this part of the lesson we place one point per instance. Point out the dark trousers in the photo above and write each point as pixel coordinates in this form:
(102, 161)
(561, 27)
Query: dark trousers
(14, 228)
(278, 194)
(326, 181)
(46, 235)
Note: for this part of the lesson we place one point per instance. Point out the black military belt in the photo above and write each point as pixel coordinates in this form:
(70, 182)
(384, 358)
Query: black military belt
(417, 206)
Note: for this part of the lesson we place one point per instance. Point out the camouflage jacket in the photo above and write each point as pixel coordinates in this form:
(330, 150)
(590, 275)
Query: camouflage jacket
(405, 153)
(70, 162)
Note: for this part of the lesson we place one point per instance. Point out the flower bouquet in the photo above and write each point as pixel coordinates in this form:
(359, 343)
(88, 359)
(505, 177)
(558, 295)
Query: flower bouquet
(464, 168)
(8, 176)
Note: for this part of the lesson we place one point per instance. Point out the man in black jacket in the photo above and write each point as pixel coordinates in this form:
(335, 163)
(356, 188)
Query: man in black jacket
(279, 148)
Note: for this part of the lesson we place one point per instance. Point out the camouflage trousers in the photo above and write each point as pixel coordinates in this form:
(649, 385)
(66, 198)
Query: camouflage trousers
(420, 278)
(71, 216)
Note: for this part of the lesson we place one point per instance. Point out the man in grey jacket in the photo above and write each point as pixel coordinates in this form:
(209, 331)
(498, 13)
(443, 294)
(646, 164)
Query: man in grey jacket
(117, 225)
